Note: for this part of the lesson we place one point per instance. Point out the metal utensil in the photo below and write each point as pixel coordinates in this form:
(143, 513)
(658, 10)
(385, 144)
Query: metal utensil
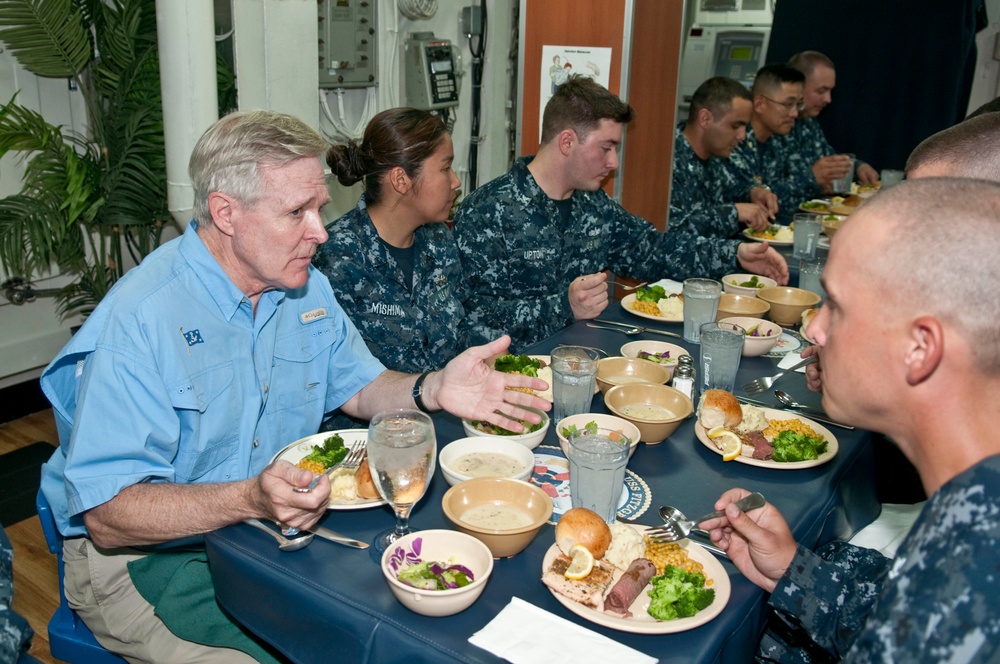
(350, 461)
(613, 282)
(627, 329)
(787, 400)
(677, 526)
(284, 543)
(631, 331)
(334, 536)
(764, 384)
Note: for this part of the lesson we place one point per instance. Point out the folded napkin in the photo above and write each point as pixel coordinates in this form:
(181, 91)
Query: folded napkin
(525, 634)
(668, 285)
(789, 360)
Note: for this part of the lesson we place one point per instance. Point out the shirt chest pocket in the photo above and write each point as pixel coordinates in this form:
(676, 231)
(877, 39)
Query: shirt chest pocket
(301, 365)
(208, 439)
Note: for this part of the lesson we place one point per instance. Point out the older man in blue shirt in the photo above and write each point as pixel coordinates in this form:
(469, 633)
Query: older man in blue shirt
(220, 348)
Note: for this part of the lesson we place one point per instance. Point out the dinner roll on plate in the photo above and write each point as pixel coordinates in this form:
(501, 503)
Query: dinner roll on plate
(719, 408)
(582, 526)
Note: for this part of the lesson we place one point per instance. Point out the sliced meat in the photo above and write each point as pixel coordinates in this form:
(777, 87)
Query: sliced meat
(588, 591)
(762, 449)
(629, 586)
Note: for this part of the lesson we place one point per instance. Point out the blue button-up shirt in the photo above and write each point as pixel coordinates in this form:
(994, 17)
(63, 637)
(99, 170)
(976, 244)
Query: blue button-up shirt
(173, 378)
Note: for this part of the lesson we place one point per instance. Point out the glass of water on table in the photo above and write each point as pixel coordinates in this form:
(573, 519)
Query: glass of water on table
(597, 461)
(701, 304)
(721, 348)
(574, 372)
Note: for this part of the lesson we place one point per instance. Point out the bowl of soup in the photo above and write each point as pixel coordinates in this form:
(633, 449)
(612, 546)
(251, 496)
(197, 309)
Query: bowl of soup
(485, 456)
(656, 410)
(503, 513)
(612, 371)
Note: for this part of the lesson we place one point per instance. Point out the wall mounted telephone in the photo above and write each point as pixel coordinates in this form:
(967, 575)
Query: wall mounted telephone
(431, 80)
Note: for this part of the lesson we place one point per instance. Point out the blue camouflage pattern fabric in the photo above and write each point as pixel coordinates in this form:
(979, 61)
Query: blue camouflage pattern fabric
(408, 327)
(519, 255)
(15, 633)
(703, 193)
(807, 139)
(938, 600)
(778, 166)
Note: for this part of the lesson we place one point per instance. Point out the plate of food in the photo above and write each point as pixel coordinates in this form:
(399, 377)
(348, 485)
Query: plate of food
(845, 205)
(689, 586)
(776, 234)
(763, 437)
(538, 366)
(655, 303)
(351, 489)
(816, 205)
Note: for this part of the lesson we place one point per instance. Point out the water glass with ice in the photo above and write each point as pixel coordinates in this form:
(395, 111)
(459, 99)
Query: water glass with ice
(843, 185)
(806, 237)
(701, 304)
(597, 461)
(890, 176)
(809, 276)
(574, 371)
(721, 348)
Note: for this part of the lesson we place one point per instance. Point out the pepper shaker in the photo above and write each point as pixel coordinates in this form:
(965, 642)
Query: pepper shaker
(684, 378)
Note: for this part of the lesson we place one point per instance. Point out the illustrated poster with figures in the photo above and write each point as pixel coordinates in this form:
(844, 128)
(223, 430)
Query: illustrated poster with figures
(561, 62)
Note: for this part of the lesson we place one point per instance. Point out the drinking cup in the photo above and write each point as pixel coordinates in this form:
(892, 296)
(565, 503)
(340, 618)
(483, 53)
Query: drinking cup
(809, 274)
(890, 177)
(574, 370)
(597, 461)
(806, 236)
(701, 303)
(843, 185)
(721, 348)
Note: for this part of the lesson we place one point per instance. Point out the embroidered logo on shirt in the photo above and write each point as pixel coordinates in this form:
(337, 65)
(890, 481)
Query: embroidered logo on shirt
(315, 314)
(193, 337)
(534, 254)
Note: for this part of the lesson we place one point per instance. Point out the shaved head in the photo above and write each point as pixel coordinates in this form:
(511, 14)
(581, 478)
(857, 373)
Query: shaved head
(932, 245)
(970, 149)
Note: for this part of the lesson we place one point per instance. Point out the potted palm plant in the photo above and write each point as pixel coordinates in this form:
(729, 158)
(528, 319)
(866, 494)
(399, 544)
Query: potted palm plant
(87, 203)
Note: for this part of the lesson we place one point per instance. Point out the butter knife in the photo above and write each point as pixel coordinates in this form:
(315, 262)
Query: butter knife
(334, 536)
(819, 417)
(651, 330)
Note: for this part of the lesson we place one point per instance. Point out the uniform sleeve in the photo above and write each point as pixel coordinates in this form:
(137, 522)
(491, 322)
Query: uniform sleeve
(493, 305)
(691, 213)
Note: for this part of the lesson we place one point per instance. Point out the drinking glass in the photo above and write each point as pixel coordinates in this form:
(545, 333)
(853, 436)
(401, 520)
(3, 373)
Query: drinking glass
(701, 304)
(597, 461)
(721, 348)
(843, 185)
(401, 452)
(574, 370)
(809, 276)
(890, 176)
(806, 236)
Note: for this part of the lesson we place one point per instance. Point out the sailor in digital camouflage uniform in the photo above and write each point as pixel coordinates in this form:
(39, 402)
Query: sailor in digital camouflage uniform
(391, 261)
(534, 242)
(15, 633)
(807, 137)
(759, 159)
(705, 198)
(909, 345)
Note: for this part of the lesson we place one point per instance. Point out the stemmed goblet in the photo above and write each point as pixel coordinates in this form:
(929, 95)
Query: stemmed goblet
(401, 452)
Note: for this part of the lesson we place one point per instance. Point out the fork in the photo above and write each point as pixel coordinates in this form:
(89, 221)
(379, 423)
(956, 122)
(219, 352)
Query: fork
(764, 384)
(612, 282)
(630, 330)
(350, 461)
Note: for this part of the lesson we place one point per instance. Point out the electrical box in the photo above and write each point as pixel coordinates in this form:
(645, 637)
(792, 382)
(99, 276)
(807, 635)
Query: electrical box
(348, 43)
(430, 77)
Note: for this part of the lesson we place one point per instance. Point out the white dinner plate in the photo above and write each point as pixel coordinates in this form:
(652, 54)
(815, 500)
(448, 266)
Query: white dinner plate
(629, 300)
(641, 622)
(748, 234)
(294, 452)
(773, 414)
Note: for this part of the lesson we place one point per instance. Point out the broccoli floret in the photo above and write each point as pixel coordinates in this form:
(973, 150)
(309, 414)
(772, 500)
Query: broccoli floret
(651, 294)
(678, 594)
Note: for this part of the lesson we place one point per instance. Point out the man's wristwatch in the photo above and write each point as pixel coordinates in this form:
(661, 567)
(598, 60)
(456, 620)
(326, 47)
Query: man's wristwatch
(418, 390)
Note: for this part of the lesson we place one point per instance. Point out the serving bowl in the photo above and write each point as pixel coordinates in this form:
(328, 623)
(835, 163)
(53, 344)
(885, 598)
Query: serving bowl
(613, 371)
(788, 303)
(602, 421)
(482, 495)
(729, 286)
(768, 334)
(512, 459)
(529, 440)
(445, 546)
(832, 223)
(633, 348)
(652, 430)
(731, 305)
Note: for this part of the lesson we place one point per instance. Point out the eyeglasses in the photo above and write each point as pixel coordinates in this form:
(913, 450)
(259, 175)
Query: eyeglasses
(799, 105)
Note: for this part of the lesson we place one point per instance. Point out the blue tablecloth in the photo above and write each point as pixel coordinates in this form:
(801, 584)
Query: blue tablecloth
(327, 602)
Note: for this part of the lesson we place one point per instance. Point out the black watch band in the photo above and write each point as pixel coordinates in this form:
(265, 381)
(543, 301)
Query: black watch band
(418, 389)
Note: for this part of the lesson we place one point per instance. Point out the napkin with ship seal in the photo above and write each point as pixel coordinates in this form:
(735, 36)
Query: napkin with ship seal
(525, 634)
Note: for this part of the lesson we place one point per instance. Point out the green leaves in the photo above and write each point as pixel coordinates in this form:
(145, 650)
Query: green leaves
(48, 37)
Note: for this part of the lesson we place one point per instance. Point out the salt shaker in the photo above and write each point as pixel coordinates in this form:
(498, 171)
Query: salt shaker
(684, 378)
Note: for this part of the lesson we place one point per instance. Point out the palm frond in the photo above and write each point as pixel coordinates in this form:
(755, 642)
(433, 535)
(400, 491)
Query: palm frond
(49, 38)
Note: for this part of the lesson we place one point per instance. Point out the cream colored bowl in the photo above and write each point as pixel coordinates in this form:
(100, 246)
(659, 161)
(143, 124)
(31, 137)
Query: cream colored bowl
(485, 492)
(650, 430)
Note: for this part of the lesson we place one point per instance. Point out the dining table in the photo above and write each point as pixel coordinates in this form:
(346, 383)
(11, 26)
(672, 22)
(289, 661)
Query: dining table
(330, 602)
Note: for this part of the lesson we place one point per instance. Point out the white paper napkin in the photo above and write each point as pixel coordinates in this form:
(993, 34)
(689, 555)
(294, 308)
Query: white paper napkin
(525, 634)
(668, 285)
(789, 360)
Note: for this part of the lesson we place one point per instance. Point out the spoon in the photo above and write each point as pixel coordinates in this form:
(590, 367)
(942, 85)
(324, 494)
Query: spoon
(284, 543)
(786, 399)
(677, 526)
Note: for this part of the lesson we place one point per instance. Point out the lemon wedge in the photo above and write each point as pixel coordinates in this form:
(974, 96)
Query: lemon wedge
(582, 563)
(727, 441)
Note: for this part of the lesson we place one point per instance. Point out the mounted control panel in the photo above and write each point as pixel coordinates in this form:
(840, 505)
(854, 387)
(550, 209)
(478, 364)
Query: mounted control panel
(348, 43)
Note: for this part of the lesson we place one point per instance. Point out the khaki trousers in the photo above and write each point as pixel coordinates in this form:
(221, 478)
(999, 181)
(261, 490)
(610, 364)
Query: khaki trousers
(98, 587)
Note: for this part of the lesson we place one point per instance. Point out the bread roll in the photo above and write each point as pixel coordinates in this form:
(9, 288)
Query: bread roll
(807, 316)
(363, 481)
(719, 408)
(582, 526)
